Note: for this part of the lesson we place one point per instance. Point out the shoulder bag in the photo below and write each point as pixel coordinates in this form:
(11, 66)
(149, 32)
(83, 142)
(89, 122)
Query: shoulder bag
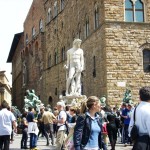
(134, 131)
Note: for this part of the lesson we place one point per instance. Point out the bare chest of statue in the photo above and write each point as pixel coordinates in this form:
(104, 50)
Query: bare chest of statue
(75, 55)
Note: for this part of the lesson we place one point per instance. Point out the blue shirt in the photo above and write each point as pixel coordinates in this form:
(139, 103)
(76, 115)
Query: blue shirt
(126, 112)
(95, 130)
(30, 117)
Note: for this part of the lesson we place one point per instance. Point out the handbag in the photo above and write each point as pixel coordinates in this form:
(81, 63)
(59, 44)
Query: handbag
(104, 129)
(134, 131)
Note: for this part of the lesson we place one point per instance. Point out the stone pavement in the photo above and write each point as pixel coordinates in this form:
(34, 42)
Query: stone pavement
(41, 144)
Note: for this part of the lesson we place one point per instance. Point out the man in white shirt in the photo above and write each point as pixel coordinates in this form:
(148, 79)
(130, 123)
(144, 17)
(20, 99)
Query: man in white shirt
(62, 116)
(142, 120)
(7, 119)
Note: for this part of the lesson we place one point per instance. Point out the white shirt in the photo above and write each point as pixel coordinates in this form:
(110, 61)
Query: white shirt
(33, 128)
(61, 115)
(6, 119)
(142, 118)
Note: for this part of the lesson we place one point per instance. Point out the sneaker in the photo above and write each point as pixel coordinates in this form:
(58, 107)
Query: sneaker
(34, 148)
(125, 144)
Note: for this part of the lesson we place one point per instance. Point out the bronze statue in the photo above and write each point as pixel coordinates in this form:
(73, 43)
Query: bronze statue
(31, 100)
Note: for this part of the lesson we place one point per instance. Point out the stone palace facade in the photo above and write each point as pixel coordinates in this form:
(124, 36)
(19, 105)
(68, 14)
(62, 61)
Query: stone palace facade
(115, 38)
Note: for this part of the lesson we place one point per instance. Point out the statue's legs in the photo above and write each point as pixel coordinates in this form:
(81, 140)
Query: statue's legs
(72, 86)
(78, 83)
(69, 81)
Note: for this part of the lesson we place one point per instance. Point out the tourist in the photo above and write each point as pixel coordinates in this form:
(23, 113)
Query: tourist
(142, 120)
(126, 115)
(112, 130)
(54, 123)
(32, 128)
(89, 125)
(69, 140)
(24, 127)
(40, 123)
(61, 121)
(7, 120)
(47, 119)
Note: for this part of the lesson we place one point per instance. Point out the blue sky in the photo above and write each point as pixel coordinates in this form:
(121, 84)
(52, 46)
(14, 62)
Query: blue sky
(12, 14)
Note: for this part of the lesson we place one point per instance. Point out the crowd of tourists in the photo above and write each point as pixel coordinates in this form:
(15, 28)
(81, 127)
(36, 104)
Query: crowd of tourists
(90, 127)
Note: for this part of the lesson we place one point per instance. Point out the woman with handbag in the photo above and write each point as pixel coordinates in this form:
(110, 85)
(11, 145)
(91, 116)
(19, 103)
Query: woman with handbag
(87, 132)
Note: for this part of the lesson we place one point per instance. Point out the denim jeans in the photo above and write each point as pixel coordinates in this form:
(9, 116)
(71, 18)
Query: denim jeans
(33, 140)
(24, 138)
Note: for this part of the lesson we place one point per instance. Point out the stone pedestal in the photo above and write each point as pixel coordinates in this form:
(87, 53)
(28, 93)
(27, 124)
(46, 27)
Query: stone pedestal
(73, 100)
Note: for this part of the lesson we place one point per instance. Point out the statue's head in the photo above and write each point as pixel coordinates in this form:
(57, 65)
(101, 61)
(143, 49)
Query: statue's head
(27, 91)
(77, 43)
(32, 91)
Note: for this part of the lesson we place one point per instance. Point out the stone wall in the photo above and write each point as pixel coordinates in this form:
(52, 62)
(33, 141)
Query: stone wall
(115, 44)
(34, 50)
(17, 95)
(124, 61)
(60, 32)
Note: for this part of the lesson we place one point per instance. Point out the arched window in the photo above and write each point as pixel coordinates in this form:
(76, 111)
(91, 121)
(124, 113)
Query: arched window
(49, 15)
(139, 11)
(63, 53)
(55, 9)
(56, 58)
(94, 66)
(73, 36)
(26, 38)
(96, 18)
(87, 27)
(33, 32)
(146, 60)
(50, 100)
(49, 61)
(62, 4)
(55, 91)
(41, 25)
(79, 31)
(129, 11)
(134, 12)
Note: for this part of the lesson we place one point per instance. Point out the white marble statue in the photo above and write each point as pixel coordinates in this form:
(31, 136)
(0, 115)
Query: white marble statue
(74, 66)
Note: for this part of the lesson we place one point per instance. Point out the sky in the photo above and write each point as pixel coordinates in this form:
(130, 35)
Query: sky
(13, 14)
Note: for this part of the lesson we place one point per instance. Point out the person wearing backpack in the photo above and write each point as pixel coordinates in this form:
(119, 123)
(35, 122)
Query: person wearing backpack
(61, 125)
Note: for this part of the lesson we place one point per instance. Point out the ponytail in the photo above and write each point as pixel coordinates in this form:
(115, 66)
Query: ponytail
(83, 107)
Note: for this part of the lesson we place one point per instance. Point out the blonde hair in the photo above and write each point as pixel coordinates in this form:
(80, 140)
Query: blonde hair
(87, 105)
